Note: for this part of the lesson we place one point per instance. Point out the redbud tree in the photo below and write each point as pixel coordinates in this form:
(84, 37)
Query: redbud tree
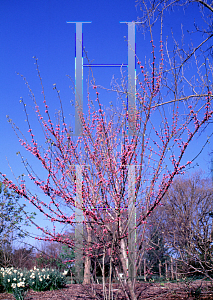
(115, 167)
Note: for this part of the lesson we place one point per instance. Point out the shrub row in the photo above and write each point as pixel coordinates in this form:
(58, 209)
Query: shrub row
(19, 281)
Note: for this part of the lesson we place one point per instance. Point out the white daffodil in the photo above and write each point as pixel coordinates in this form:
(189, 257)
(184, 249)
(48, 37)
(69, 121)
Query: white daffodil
(20, 284)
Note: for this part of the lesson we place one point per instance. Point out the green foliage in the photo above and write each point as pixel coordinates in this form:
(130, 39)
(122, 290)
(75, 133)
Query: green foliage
(19, 281)
(20, 292)
(66, 256)
(44, 260)
(60, 262)
(157, 251)
(14, 281)
(1, 283)
(12, 218)
(46, 279)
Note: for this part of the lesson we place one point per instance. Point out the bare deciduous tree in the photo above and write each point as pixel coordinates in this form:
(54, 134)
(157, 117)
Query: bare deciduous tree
(187, 223)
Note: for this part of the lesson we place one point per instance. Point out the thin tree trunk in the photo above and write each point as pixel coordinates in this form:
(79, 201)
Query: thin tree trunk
(87, 258)
(172, 271)
(176, 270)
(130, 284)
(103, 277)
(160, 269)
(95, 270)
(144, 269)
(166, 269)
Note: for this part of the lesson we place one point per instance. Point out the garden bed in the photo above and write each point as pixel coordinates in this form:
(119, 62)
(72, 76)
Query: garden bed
(145, 291)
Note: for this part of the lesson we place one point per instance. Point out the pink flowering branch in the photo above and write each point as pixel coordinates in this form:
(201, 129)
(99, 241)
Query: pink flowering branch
(165, 129)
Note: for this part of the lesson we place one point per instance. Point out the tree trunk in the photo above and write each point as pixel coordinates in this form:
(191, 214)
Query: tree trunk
(144, 269)
(160, 269)
(166, 270)
(87, 258)
(172, 271)
(124, 260)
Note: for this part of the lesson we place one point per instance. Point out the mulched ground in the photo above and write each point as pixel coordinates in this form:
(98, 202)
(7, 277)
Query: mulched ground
(145, 291)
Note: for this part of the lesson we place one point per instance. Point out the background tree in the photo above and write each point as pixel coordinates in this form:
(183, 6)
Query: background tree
(157, 253)
(23, 258)
(55, 255)
(187, 223)
(155, 10)
(67, 254)
(12, 220)
(48, 256)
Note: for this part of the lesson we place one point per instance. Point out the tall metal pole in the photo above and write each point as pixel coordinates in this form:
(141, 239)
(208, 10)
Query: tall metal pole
(131, 79)
(79, 271)
(131, 223)
(78, 75)
(78, 78)
(131, 132)
(79, 226)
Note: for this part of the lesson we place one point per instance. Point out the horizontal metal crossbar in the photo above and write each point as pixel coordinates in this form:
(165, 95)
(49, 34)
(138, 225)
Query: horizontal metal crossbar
(105, 65)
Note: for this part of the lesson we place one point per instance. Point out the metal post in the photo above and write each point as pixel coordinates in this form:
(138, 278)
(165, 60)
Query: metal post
(79, 226)
(131, 223)
(78, 76)
(131, 79)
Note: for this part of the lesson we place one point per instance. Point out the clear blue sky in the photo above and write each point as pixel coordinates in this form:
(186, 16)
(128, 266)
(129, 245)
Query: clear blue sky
(39, 28)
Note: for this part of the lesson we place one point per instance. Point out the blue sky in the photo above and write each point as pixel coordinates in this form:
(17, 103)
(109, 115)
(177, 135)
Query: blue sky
(39, 28)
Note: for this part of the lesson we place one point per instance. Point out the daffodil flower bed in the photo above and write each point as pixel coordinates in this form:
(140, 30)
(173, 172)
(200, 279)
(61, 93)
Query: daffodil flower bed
(19, 282)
